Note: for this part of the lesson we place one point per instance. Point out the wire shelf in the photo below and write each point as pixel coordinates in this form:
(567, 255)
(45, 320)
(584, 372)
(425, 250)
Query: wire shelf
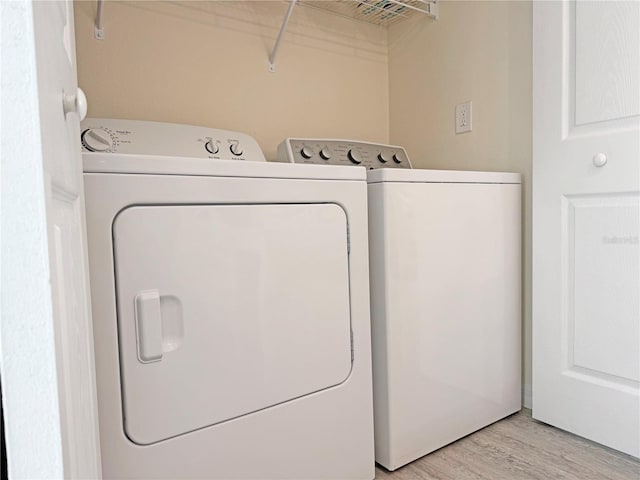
(378, 12)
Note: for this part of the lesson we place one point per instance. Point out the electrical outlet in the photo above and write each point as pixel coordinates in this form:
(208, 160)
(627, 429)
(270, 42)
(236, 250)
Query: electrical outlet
(463, 117)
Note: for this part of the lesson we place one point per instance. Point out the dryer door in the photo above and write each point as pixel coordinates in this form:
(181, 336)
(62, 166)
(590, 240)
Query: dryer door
(225, 310)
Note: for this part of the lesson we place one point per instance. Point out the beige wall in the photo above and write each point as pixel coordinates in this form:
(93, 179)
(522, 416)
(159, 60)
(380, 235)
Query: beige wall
(205, 63)
(478, 51)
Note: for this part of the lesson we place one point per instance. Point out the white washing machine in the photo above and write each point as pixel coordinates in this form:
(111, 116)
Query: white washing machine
(445, 277)
(230, 307)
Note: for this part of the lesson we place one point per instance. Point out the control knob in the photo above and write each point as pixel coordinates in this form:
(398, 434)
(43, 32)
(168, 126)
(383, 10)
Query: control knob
(382, 158)
(306, 153)
(235, 149)
(396, 158)
(212, 147)
(97, 140)
(354, 157)
(325, 154)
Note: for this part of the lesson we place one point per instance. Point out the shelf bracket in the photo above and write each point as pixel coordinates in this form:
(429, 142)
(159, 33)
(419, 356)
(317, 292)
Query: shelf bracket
(433, 10)
(274, 52)
(98, 29)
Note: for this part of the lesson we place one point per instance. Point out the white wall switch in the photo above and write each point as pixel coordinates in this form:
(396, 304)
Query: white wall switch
(463, 117)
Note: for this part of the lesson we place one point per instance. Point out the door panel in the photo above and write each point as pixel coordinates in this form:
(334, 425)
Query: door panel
(224, 310)
(586, 220)
(606, 36)
(66, 237)
(602, 276)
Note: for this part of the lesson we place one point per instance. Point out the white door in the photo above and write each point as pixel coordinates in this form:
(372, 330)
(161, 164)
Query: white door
(42, 33)
(586, 219)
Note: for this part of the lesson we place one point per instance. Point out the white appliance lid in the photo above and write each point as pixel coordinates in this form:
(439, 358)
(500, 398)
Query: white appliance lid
(160, 165)
(440, 176)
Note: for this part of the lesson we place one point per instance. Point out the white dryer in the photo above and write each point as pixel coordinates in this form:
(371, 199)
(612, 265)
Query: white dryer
(445, 295)
(230, 307)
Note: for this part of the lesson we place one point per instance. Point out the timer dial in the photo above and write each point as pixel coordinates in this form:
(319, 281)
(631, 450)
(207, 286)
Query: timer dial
(212, 147)
(97, 140)
(325, 154)
(306, 153)
(354, 157)
(235, 149)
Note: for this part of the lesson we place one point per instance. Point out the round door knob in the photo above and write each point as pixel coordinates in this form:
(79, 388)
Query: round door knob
(599, 160)
(306, 153)
(325, 154)
(235, 149)
(96, 140)
(354, 157)
(75, 102)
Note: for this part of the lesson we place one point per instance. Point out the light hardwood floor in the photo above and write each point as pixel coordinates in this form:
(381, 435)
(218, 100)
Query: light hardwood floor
(519, 448)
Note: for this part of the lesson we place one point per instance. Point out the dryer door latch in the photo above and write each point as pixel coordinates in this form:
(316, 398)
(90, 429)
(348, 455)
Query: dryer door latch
(149, 326)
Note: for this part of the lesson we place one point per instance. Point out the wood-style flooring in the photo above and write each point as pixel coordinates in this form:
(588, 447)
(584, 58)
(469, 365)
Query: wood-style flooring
(519, 448)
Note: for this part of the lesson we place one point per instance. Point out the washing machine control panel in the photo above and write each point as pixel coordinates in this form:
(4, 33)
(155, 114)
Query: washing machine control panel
(103, 135)
(342, 152)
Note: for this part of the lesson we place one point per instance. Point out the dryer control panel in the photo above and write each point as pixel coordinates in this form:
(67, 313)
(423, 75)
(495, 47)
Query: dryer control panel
(342, 152)
(135, 137)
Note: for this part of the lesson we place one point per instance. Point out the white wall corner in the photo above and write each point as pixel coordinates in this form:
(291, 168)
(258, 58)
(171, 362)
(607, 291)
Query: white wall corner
(526, 396)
